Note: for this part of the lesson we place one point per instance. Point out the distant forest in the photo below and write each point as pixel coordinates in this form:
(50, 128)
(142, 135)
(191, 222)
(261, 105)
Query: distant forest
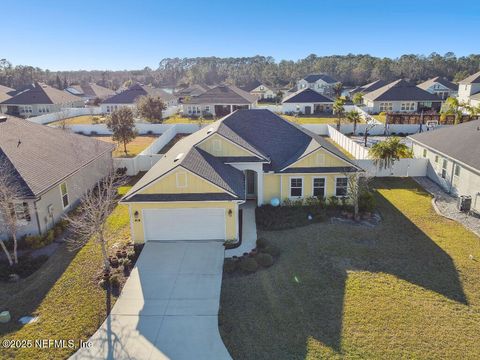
(351, 70)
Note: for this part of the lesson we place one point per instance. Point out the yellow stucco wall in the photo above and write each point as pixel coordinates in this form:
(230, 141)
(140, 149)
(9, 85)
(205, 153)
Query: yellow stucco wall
(137, 226)
(320, 158)
(224, 147)
(168, 184)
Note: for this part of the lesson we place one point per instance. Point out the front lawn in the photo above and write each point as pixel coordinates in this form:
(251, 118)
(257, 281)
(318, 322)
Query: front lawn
(64, 294)
(408, 288)
(134, 147)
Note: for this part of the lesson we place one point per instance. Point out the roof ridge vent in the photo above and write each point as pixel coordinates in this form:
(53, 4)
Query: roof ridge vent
(178, 157)
(210, 130)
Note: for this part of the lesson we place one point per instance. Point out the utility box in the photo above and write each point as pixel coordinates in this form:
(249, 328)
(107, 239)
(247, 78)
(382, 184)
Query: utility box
(464, 203)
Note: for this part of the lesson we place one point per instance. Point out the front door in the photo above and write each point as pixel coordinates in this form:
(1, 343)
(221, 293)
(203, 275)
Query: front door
(251, 184)
(308, 110)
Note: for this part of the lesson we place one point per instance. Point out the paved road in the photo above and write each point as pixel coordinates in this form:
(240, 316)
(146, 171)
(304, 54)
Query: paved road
(168, 308)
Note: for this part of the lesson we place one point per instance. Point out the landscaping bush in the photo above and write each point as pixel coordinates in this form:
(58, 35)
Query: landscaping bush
(249, 265)
(229, 266)
(34, 241)
(264, 259)
(262, 243)
(115, 281)
(366, 202)
(272, 250)
(333, 202)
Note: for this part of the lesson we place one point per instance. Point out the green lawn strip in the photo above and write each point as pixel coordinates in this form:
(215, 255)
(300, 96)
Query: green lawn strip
(64, 294)
(178, 119)
(381, 118)
(404, 289)
(78, 120)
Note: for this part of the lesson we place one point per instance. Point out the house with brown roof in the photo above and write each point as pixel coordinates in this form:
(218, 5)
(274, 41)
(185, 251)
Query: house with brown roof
(90, 92)
(219, 101)
(53, 167)
(440, 86)
(39, 99)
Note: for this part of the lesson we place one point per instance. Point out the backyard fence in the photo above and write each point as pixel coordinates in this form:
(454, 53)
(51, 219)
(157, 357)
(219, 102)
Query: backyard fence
(272, 107)
(358, 151)
(65, 114)
(400, 168)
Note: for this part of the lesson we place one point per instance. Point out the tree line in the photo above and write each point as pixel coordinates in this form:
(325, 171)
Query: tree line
(351, 70)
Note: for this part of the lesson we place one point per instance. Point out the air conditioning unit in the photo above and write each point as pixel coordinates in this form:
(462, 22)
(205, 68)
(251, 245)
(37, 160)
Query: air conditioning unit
(464, 203)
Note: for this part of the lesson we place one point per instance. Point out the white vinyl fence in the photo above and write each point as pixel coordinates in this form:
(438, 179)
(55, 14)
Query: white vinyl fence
(65, 114)
(272, 107)
(400, 168)
(142, 128)
(376, 129)
(357, 150)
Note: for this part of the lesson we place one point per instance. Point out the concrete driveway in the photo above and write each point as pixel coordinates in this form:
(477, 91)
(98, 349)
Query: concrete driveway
(168, 308)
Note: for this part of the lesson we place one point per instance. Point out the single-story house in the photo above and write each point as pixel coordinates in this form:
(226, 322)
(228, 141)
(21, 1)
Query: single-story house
(469, 87)
(219, 101)
(54, 168)
(194, 191)
(374, 85)
(440, 86)
(6, 93)
(39, 99)
(321, 83)
(191, 91)
(129, 97)
(401, 96)
(453, 154)
(260, 90)
(307, 101)
(90, 92)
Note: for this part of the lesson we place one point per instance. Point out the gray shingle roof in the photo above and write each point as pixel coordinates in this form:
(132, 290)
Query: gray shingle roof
(472, 79)
(460, 142)
(44, 155)
(130, 95)
(440, 80)
(224, 94)
(307, 96)
(182, 197)
(38, 93)
(400, 90)
(193, 90)
(374, 85)
(251, 85)
(91, 90)
(314, 77)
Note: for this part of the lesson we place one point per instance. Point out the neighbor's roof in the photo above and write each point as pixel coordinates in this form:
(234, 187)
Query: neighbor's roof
(130, 95)
(400, 90)
(251, 86)
(6, 93)
(306, 95)
(90, 90)
(43, 155)
(374, 85)
(438, 80)
(38, 93)
(460, 142)
(193, 90)
(472, 79)
(224, 94)
(314, 77)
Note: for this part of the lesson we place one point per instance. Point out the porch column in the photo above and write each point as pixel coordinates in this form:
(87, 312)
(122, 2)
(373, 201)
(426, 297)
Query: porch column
(259, 188)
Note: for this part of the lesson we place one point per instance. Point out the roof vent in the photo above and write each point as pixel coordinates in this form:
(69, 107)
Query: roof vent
(3, 119)
(178, 157)
(210, 130)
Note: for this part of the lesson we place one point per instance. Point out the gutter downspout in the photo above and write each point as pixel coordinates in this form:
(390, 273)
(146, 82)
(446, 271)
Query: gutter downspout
(36, 216)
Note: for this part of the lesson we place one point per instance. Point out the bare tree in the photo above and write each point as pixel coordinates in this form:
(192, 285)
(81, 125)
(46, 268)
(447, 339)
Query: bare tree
(11, 196)
(90, 219)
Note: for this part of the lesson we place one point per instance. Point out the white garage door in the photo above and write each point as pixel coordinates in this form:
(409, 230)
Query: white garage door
(184, 224)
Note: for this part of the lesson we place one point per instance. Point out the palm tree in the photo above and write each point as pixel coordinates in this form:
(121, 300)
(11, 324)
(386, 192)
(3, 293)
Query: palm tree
(354, 117)
(385, 153)
(453, 107)
(357, 98)
(339, 110)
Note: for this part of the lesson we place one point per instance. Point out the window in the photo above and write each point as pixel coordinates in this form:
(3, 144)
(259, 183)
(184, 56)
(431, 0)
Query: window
(296, 187)
(341, 186)
(319, 187)
(22, 212)
(436, 159)
(424, 153)
(408, 106)
(216, 145)
(386, 107)
(457, 170)
(444, 168)
(181, 178)
(64, 192)
(207, 108)
(320, 159)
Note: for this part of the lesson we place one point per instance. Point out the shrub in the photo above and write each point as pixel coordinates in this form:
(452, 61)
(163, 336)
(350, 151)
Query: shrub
(49, 237)
(264, 259)
(262, 243)
(34, 241)
(383, 113)
(366, 202)
(229, 266)
(249, 265)
(131, 254)
(333, 202)
(272, 250)
(115, 280)
(121, 171)
(149, 132)
(102, 283)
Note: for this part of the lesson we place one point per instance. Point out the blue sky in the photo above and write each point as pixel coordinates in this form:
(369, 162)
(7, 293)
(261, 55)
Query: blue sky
(104, 34)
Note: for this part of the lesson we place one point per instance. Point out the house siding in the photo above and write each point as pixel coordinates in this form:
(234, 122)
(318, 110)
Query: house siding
(226, 148)
(314, 160)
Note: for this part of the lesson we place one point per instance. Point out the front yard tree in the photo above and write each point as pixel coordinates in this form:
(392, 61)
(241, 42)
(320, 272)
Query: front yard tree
(358, 98)
(151, 108)
(89, 222)
(122, 124)
(385, 153)
(339, 110)
(354, 117)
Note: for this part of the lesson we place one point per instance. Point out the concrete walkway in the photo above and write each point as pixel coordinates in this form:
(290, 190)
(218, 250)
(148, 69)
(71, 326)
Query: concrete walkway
(168, 308)
(249, 231)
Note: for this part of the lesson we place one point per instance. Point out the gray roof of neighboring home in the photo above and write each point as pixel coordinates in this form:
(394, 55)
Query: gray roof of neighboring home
(475, 96)
(472, 79)
(224, 94)
(374, 85)
(251, 86)
(193, 90)
(43, 155)
(38, 93)
(460, 142)
(6, 93)
(130, 95)
(438, 80)
(307, 95)
(401, 90)
(91, 90)
(311, 78)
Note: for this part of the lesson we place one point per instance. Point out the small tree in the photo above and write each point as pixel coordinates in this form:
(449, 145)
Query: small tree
(90, 219)
(357, 98)
(354, 117)
(122, 124)
(385, 153)
(453, 107)
(337, 89)
(339, 110)
(151, 108)
(370, 126)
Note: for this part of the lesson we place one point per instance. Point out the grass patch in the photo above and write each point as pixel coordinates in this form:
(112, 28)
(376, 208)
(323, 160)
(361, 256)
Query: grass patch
(78, 120)
(135, 147)
(381, 118)
(404, 289)
(287, 217)
(311, 119)
(178, 119)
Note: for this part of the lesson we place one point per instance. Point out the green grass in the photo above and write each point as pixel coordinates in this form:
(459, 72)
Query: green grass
(381, 118)
(63, 293)
(77, 120)
(178, 119)
(404, 289)
(134, 147)
(311, 119)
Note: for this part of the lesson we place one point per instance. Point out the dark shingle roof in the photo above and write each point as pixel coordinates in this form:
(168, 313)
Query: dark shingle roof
(472, 79)
(38, 93)
(224, 94)
(131, 95)
(460, 142)
(91, 90)
(314, 77)
(307, 96)
(193, 90)
(182, 197)
(400, 90)
(44, 155)
(251, 86)
(6, 93)
(440, 80)
(369, 87)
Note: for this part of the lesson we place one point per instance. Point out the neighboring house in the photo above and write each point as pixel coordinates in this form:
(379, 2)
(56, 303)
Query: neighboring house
(454, 160)
(440, 87)
(90, 92)
(54, 169)
(39, 99)
(219, 101)
(129, 97)
(307, 101)
(194, 191)
(259, 90)
(401, 96)
(475, 100)
(367, 88)
(6, 93)
(469, 87)
(191, 91)
(322, 83)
